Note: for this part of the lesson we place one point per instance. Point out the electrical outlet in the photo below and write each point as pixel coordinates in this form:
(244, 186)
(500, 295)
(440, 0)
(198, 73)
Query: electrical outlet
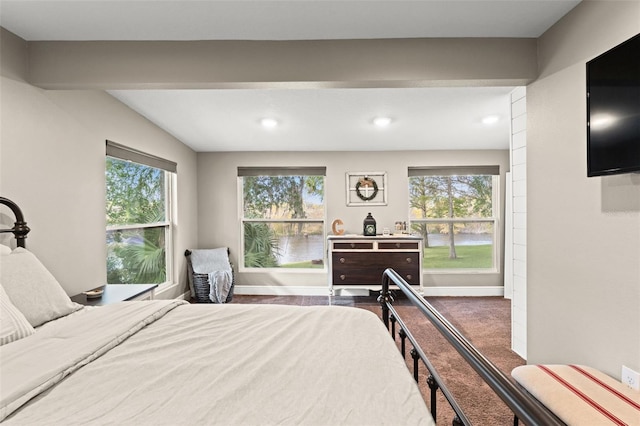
(630, 378)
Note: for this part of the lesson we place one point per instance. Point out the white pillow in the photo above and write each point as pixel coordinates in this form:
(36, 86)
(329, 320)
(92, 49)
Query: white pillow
(32, 288)
(13, 325)
(4, 250)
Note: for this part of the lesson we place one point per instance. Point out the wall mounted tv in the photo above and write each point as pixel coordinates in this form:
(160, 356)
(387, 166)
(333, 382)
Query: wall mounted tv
(613, 110)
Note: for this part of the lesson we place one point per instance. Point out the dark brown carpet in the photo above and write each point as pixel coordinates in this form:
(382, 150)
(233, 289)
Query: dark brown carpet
(485, 321)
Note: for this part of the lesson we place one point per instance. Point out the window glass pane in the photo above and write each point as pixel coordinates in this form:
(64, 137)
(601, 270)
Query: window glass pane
(456, 242)
(136, 256)
(469, 246)
(135, 193)
(280, 243)
(451, 196)
(283, 197)
(283, 245)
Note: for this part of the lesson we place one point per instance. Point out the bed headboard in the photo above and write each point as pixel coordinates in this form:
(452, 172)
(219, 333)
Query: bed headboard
(20, 228)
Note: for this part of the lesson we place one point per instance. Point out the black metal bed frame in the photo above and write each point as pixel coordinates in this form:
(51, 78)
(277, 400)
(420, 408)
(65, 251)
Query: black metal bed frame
(20, 228)
(524, 407)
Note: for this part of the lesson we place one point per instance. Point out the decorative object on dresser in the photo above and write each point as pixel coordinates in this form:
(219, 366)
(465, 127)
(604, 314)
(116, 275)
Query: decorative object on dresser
(369, 226)
(359, 261)
(335, 227)
(366, 188)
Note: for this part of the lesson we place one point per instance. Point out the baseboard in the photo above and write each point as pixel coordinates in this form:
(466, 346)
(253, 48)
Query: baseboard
(259, 290)
(464, 291)
(324, 291)
(184, 296)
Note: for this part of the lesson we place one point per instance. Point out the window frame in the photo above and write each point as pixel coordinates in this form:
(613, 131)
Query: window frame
(494, 219)
(274, 171)
(169, 169)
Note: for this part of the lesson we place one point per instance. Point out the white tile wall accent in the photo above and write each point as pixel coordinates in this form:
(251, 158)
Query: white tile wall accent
(519, 270)
(520, 252)
(519, 222)
(519, 172)
(520, 236)
(519, 156)
(519, 140)
(520, 188)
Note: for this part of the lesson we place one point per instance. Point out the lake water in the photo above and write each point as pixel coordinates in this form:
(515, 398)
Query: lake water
(460, 239)
(300, 248)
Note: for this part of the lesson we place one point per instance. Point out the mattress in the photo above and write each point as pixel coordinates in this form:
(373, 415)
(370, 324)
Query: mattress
(170, 363)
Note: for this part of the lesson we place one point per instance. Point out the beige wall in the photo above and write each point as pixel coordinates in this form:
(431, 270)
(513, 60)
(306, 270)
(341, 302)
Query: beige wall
(52, 153)
(583, 233)
(218, 223)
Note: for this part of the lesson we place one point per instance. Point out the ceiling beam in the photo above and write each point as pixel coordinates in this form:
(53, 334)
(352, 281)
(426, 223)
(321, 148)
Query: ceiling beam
(282, 64)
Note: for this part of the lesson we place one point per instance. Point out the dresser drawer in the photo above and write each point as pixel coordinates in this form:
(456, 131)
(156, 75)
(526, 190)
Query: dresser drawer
(372, 259)
(397, 245)
(367, 268)
(356, 276)
(353, 245)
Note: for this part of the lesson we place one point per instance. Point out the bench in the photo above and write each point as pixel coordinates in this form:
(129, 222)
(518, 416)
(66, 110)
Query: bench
(580, 395)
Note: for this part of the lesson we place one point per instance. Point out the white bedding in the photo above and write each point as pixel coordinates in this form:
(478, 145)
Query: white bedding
(210, 364)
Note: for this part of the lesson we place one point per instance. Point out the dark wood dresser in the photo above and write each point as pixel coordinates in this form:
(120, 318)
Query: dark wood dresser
(358, 262)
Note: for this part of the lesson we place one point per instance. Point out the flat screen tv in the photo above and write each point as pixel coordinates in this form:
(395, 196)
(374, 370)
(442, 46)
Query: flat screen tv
(613, 110)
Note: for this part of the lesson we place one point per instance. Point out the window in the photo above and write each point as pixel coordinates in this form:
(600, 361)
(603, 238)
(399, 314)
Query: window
(454, 209)
(138, 194)
(283, 217)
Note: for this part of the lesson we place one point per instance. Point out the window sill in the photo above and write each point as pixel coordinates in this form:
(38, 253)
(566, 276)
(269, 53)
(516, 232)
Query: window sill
(283, 270)
(459, 271)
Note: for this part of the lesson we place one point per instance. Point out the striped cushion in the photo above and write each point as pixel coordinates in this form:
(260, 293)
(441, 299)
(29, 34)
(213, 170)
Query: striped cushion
(13, 325)
(580, 395)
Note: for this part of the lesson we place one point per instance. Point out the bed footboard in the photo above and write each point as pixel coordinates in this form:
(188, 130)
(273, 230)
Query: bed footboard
(524, 406)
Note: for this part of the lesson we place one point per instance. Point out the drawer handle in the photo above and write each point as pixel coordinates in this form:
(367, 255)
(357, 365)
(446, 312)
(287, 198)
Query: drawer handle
(342, 277)
(353, 245)
(342, 260)
(409, 260)
(409, 276)
(397, 245)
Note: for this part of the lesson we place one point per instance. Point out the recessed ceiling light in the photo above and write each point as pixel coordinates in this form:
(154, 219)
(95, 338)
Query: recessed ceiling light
(382, 121)
(269, 123)
(490, 119)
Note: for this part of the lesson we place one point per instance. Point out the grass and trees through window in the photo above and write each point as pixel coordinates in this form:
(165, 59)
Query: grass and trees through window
(137, 222)
(454, 214)
(283, 218)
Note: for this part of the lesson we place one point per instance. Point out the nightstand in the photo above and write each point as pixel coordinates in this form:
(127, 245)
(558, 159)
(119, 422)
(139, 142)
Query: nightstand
(114, 293)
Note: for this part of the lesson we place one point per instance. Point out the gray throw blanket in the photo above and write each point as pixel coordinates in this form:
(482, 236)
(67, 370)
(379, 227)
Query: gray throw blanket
(214, 263)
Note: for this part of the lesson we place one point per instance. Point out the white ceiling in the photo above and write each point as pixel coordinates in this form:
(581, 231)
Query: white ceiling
(328, 119)
(311, 119)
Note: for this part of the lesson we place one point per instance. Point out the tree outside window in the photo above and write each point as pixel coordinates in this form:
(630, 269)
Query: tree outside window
(454, 214)
(137, 222)
(283, 218)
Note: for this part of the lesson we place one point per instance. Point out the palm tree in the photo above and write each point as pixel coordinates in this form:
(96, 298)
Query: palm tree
(260, 246)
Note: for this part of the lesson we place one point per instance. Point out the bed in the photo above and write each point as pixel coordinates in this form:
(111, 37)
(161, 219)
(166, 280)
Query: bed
(170, 362)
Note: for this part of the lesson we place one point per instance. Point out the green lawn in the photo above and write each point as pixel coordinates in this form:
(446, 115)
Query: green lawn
(471, 257)
(299, 265)
(480, 256)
